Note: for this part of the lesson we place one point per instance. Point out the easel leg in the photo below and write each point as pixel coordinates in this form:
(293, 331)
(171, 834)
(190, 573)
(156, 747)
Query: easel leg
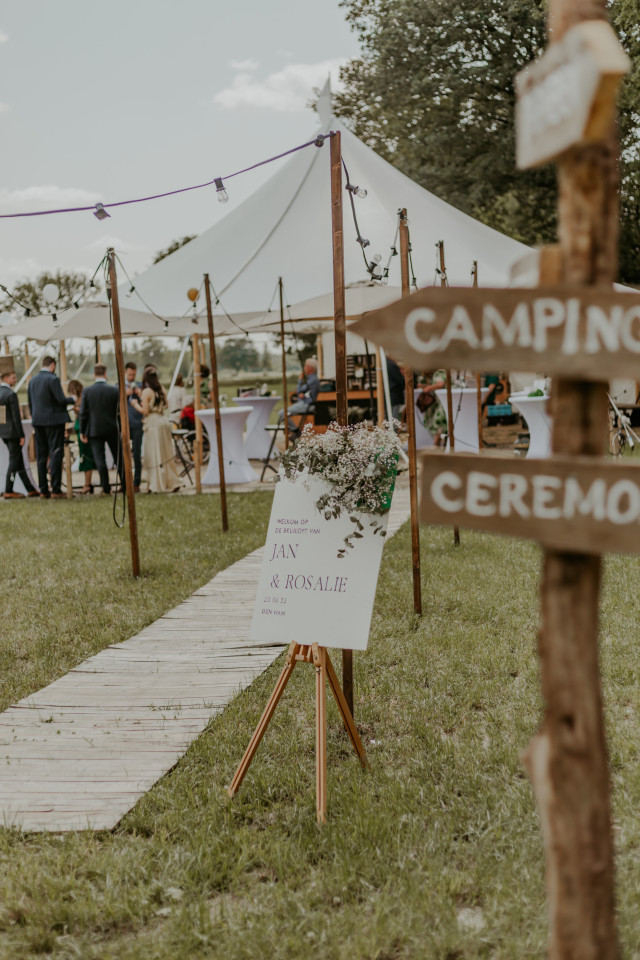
(272, 703)
(320, 663)
(346, 713)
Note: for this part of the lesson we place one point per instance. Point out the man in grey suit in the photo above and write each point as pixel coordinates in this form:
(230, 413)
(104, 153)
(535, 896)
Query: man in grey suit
(99, 424)
(12, 433)
(48, 406)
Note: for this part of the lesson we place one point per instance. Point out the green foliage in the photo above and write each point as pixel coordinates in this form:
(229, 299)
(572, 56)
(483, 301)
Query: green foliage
(433, 93)
(173, 246)
(29, 292)
(239, 353)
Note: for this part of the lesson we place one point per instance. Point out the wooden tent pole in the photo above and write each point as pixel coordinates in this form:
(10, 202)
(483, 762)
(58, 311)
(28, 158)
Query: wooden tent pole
(124, 414)
(64, 377)
(98, 351)
(411, 427)
(567, 760)
(215, 399)
(284, 368)
(197, 405)
(5, 341)
(450, 424)
(379, 387)
(27, 361)
(474, 274)
(340, 335)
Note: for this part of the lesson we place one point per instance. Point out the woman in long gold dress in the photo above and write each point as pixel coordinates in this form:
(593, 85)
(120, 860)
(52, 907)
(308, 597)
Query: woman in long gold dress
(158, 454)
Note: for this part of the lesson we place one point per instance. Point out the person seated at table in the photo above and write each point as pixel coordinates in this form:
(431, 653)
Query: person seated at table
(304, 397)
(433, 416)
(188, 417)
(158, 458)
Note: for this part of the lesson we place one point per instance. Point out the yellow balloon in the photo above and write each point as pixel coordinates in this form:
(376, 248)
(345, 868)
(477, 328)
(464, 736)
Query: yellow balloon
(193, 294)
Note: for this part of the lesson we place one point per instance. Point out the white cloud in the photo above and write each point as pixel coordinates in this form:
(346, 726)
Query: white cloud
(110, 240)
(285, 90)
(244, 64)
(3, 37)
(3, 107)
(44, 197)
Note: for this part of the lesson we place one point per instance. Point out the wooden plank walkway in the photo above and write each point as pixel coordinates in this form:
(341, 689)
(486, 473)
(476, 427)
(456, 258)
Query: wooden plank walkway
(79, 753)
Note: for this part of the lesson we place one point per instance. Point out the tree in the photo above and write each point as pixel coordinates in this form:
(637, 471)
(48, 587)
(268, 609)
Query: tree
(433, 93)
(173, 246)
(29, 292)
(239, 353)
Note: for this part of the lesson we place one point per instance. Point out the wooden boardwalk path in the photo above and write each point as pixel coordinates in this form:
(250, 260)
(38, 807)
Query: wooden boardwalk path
(79, 753)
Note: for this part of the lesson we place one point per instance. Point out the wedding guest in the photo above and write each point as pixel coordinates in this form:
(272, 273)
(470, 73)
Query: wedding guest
(87, 464)
(48, 406)
(396, 387)
(135, 422)
(159, 455)
(12, 433)
(433, 416)
(177, 399)
(99, 424)
(307, 390)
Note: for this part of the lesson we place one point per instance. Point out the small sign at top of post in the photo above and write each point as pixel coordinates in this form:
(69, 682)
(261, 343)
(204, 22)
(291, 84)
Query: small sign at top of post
(567, 96)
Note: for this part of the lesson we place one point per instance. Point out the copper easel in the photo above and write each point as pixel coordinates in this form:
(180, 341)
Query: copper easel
(319, 657)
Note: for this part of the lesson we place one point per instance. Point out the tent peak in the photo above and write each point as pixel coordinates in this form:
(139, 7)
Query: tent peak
(323, 103)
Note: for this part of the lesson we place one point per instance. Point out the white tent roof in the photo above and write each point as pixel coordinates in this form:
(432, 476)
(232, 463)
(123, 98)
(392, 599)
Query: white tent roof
(91, 320)
(284, 229)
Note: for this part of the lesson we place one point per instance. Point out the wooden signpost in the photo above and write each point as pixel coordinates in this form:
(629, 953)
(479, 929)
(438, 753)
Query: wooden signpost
(577, 504)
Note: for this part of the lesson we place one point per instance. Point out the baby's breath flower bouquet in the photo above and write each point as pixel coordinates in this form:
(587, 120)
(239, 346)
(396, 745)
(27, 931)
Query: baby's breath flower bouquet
(359, 464)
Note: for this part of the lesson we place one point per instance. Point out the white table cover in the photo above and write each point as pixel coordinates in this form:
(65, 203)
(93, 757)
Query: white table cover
(257, 440)
(465, 417)
(237, 468)
(534, 411)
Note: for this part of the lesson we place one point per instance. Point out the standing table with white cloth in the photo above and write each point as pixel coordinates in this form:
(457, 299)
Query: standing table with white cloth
(257, 439)
(18, 485)
(534, 411)
(237, 468)
(465, 416)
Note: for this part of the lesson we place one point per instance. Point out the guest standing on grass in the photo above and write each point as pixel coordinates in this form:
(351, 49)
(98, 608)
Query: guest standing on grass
(48, 406)
(159, 455)
(12, 433)
(135, 422)
(86, 464)
(99, 424)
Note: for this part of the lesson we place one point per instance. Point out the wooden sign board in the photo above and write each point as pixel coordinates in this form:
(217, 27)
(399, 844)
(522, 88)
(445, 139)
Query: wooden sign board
(568, 96)
(577, 504)
(306, 594)
(586, 333)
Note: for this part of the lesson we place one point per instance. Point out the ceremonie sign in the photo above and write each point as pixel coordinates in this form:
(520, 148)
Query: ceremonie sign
(590, 333)
(571, 503)
(305, 593)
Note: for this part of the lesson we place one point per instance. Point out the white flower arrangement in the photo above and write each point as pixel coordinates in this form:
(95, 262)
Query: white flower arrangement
(359, 464)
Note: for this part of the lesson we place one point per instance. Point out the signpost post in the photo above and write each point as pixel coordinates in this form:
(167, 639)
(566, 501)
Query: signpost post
(577, 504)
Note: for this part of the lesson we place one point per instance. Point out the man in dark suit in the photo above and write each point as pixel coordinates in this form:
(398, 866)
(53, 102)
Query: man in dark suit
(48, 406)
(12, 433)
(99, 424)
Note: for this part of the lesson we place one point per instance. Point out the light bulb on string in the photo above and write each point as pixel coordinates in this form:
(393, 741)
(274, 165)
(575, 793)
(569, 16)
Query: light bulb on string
(223, 196)
(356, 191)
(100, 213)
(377, 258)
(50, 293)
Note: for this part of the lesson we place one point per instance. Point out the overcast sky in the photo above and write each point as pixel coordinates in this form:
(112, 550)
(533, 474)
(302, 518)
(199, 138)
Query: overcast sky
(111, 101)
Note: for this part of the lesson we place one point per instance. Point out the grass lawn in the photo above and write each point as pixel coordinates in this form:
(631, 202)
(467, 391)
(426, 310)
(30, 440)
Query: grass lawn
(435, 853)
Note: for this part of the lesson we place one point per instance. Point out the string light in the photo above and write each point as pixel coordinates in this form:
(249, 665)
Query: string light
(75, 302)
(100, 213)
(357, 191)
(223, 196)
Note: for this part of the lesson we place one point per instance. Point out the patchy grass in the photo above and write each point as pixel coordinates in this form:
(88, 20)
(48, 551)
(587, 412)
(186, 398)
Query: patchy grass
(435, 852)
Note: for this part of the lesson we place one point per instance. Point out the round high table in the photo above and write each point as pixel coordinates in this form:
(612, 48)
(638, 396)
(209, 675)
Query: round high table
(465, 416)
(257, 439)
(534, 411)
(237, 468)
(18, 485)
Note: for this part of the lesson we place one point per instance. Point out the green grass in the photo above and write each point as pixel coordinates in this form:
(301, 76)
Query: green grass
(441, 829)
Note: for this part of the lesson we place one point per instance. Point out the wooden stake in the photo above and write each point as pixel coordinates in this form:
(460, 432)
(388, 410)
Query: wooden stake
(197, 405)
(124, 415)
(215, 399)
(411, 427)
(285, 392)
(379, 387)
(450, 424)
(340, 334)
(67, 452)
(474, 274)
(320, 663)
(567, 760)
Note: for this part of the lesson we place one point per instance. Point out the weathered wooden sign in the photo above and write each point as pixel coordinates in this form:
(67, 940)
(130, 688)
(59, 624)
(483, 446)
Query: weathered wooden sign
(567, 97)
(578, 504)
(589, 333)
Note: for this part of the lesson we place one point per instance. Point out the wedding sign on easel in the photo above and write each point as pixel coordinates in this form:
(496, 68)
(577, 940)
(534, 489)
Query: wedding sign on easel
(320, 568)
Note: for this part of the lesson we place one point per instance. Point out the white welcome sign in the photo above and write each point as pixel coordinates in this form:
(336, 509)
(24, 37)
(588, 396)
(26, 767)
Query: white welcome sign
(305, 593)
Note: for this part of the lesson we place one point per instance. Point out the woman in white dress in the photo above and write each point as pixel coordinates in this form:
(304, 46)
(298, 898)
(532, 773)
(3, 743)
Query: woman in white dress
(158, 455)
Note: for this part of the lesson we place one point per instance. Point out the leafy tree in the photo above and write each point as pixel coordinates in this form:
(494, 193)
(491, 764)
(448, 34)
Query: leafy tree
(29, 292)
(433, 93)
(173, 246)
(239, 353)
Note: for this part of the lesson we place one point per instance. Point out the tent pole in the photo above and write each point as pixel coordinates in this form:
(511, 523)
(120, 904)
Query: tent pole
(450, 424)
(124, 414)
(340, 334)
(284, 369)
(215, 398)
(197, 405)
(379, 387)
(319, 352)
(67, 452)
(6, 346)
(474, 274)
(98, 352)
(409, 391)
(27, 364)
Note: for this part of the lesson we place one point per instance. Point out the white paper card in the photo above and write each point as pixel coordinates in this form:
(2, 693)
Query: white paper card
(305, 593)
